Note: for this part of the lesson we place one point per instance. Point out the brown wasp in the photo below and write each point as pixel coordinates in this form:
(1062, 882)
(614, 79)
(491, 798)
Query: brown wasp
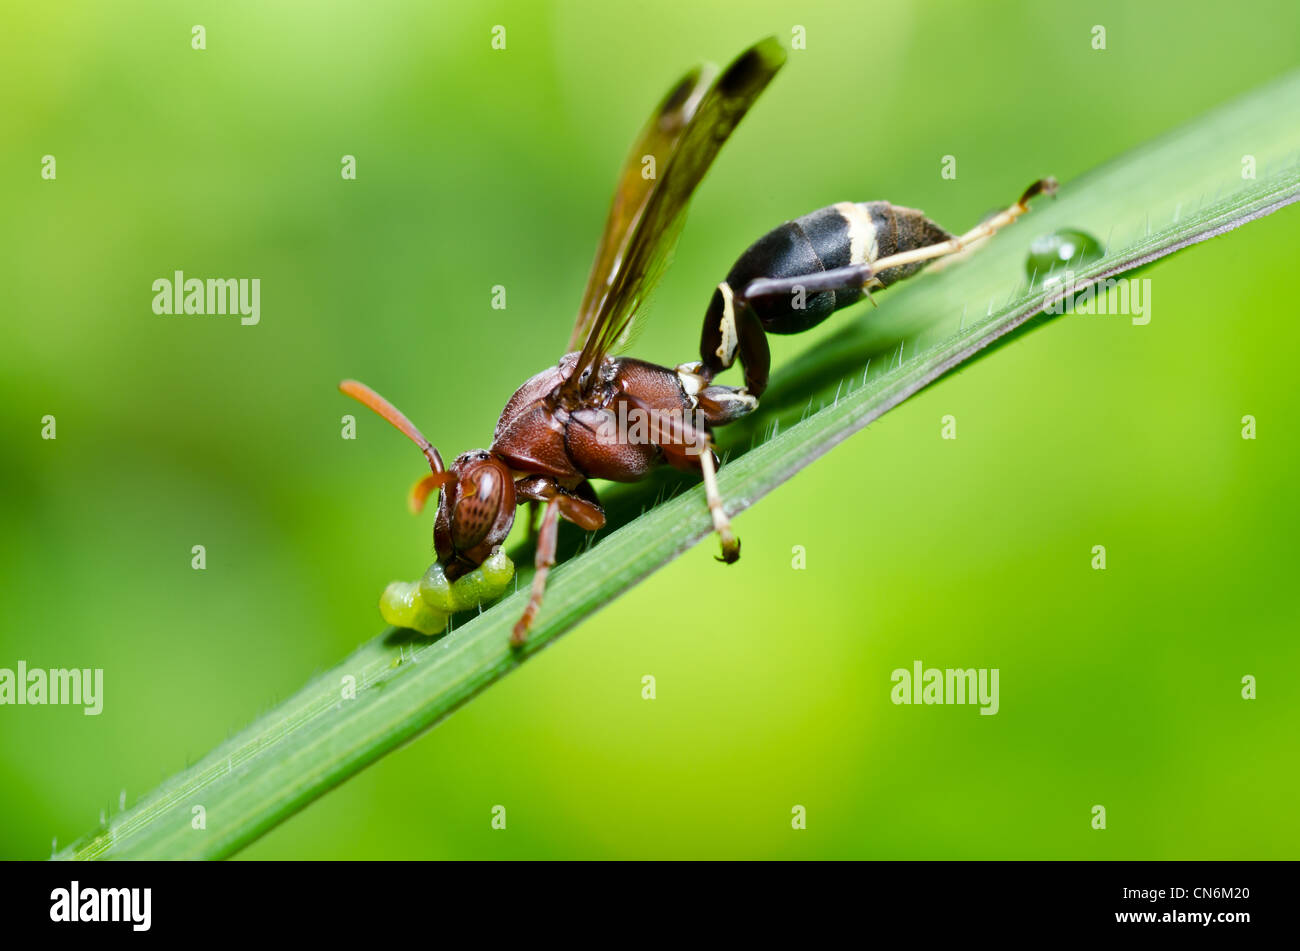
(567, 425)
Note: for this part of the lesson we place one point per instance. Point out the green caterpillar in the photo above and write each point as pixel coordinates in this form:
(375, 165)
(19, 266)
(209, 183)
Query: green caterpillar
(427, 604)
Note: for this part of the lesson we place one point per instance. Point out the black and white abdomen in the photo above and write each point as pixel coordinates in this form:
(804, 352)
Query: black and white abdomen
(841, 236)
(801, 272)
(837, 236)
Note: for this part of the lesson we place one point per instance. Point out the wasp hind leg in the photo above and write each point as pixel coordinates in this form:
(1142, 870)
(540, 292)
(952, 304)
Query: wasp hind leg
(719, 404)
(732, 330)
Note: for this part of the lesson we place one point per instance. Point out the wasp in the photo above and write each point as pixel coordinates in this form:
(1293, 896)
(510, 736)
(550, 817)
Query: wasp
(569, 424)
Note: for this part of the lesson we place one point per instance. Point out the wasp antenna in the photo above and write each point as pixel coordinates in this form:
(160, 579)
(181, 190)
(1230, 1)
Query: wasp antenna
(372, 400)
(421, 491)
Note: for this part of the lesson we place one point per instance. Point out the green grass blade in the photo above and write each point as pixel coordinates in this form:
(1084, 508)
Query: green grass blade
(1181, 189)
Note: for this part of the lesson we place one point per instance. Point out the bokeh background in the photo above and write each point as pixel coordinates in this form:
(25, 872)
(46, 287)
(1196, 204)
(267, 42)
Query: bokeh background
(478, 168)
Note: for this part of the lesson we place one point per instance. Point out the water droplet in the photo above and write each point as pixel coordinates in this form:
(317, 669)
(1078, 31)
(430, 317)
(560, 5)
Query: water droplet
(1060, 250)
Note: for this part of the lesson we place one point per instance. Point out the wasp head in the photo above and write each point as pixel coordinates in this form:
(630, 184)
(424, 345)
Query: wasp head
(475, 512)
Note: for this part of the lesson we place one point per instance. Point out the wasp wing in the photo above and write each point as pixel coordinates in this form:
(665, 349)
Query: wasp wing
(636, 181)
(684, 136)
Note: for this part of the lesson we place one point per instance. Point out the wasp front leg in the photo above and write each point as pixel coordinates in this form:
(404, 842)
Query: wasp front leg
(545, 557)
(530, 522)
(578, 506)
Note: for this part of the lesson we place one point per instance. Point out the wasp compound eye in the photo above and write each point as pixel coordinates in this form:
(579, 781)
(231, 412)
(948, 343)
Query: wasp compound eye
(477, 509)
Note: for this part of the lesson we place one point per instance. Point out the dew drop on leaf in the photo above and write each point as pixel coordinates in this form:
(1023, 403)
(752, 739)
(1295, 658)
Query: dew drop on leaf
(1060, 250)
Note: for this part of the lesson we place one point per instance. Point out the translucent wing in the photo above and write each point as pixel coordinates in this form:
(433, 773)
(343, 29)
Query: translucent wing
(636, 181)
(684, 136)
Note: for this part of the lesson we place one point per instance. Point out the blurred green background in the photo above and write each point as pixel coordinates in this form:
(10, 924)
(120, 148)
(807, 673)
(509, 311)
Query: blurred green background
(478, 168)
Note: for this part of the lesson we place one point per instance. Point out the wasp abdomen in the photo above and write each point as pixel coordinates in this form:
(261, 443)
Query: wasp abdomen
(833, 237)
(815, 242)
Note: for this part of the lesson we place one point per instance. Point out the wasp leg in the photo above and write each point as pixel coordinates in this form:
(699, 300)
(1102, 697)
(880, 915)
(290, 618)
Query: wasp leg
(686, 447)
(579, 506)
(725, 404)
(721, 524)
(719, 404)
(731, 330)
(858, 276)
(531, 524)
(543, 561)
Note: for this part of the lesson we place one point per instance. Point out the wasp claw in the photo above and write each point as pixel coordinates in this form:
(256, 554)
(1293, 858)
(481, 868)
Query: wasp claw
(730, 551)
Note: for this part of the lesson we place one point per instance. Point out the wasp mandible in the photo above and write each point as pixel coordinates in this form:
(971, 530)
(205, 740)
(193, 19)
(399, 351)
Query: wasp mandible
(567, 425)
